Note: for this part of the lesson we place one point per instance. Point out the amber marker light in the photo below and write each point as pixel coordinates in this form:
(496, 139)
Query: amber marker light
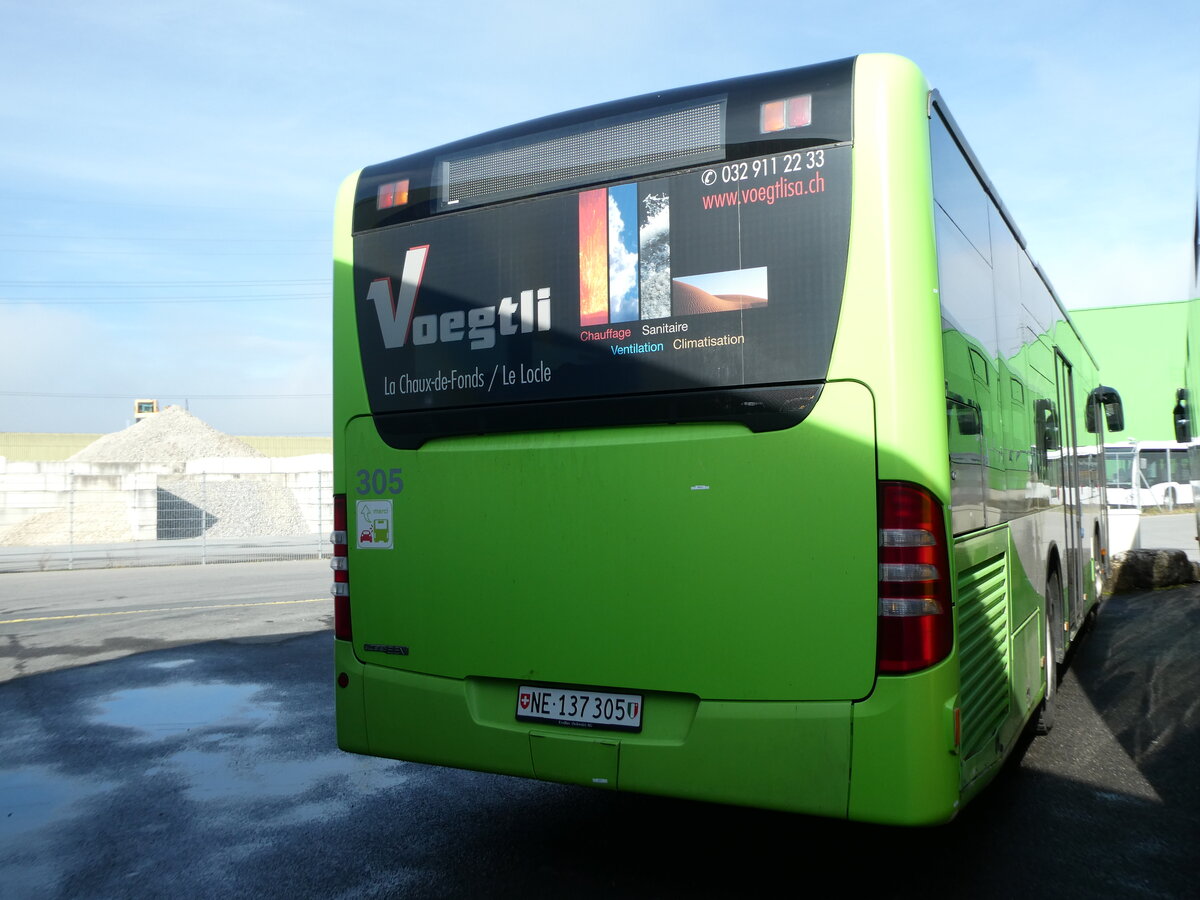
(771, 118)
(392, 194)
(780, 115)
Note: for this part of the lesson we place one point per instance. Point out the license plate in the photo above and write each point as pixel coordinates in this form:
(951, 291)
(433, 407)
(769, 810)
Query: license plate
(580, 708)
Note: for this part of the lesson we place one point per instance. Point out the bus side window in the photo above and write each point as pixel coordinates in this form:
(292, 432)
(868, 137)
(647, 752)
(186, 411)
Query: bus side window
(964, 432)
(967, 414)
(1046, 432)
(1181, 467)
(1153, 466)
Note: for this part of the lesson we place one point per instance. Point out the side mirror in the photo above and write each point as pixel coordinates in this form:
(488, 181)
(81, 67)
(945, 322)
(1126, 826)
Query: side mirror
(1183, 417)
(1114, 412)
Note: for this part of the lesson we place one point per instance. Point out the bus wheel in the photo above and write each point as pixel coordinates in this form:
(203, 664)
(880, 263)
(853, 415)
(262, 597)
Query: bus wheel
(1045, 713)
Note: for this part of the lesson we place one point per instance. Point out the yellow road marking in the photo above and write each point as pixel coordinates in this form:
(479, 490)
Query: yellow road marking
(134, 612)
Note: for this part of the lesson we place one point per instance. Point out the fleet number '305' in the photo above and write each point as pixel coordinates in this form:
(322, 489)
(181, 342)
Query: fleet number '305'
(379, 481)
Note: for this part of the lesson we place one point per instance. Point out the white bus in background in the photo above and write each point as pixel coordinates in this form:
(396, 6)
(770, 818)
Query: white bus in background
(1148, 474)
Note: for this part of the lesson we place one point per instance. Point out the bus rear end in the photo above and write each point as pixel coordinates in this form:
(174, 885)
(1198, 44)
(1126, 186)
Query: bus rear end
(605, 516)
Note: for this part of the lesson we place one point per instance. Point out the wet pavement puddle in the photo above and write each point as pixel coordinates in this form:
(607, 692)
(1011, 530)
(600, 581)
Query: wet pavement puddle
(207, 749)
(179, 707)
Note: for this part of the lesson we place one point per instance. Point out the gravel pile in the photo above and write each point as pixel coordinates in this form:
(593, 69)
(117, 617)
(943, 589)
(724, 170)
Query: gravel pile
(188, 505)
(98, 522)
(226, 506)
(172, 436)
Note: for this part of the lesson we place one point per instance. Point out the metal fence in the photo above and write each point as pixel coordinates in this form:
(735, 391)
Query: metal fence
(65, 515)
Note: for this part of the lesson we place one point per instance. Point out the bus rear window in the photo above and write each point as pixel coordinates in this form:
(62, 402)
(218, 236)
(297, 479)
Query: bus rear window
(720, 277)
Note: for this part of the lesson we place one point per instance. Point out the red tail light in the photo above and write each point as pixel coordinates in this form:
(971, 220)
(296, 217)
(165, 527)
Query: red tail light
(916, 625)
(341, 572)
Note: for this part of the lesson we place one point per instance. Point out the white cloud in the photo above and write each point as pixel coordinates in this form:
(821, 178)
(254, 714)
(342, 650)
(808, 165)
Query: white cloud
(622, 266)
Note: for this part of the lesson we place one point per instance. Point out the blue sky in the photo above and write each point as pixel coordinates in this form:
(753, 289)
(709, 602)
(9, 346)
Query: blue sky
(186, 153)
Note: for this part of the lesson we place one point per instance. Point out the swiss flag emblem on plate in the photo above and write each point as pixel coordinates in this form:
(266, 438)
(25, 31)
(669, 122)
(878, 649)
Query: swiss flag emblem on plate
(524, 701)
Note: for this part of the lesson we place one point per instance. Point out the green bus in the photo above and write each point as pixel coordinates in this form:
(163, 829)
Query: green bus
(1187, 429)
(718, 443)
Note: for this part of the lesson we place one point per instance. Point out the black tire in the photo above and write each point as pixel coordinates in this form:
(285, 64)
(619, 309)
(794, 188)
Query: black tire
(1049, 706)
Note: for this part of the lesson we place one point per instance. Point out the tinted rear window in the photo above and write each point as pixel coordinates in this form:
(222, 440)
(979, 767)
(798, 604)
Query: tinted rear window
(722, 276)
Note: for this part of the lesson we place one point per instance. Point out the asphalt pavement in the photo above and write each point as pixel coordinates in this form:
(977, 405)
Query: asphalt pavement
(197, 551)
(208, 768)
(52, 620)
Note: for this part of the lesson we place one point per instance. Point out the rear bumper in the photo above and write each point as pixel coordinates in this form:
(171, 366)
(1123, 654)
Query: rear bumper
(789, 756)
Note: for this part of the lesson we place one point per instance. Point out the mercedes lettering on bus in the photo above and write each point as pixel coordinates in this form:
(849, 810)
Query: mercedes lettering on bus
(719, 443)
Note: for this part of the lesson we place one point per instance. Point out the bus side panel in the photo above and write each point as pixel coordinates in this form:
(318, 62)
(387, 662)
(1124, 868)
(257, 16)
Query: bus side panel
(1000, 639)
(983, 619)
(905, 770)
(1026, 587)
(889, 333)
(349, 391)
